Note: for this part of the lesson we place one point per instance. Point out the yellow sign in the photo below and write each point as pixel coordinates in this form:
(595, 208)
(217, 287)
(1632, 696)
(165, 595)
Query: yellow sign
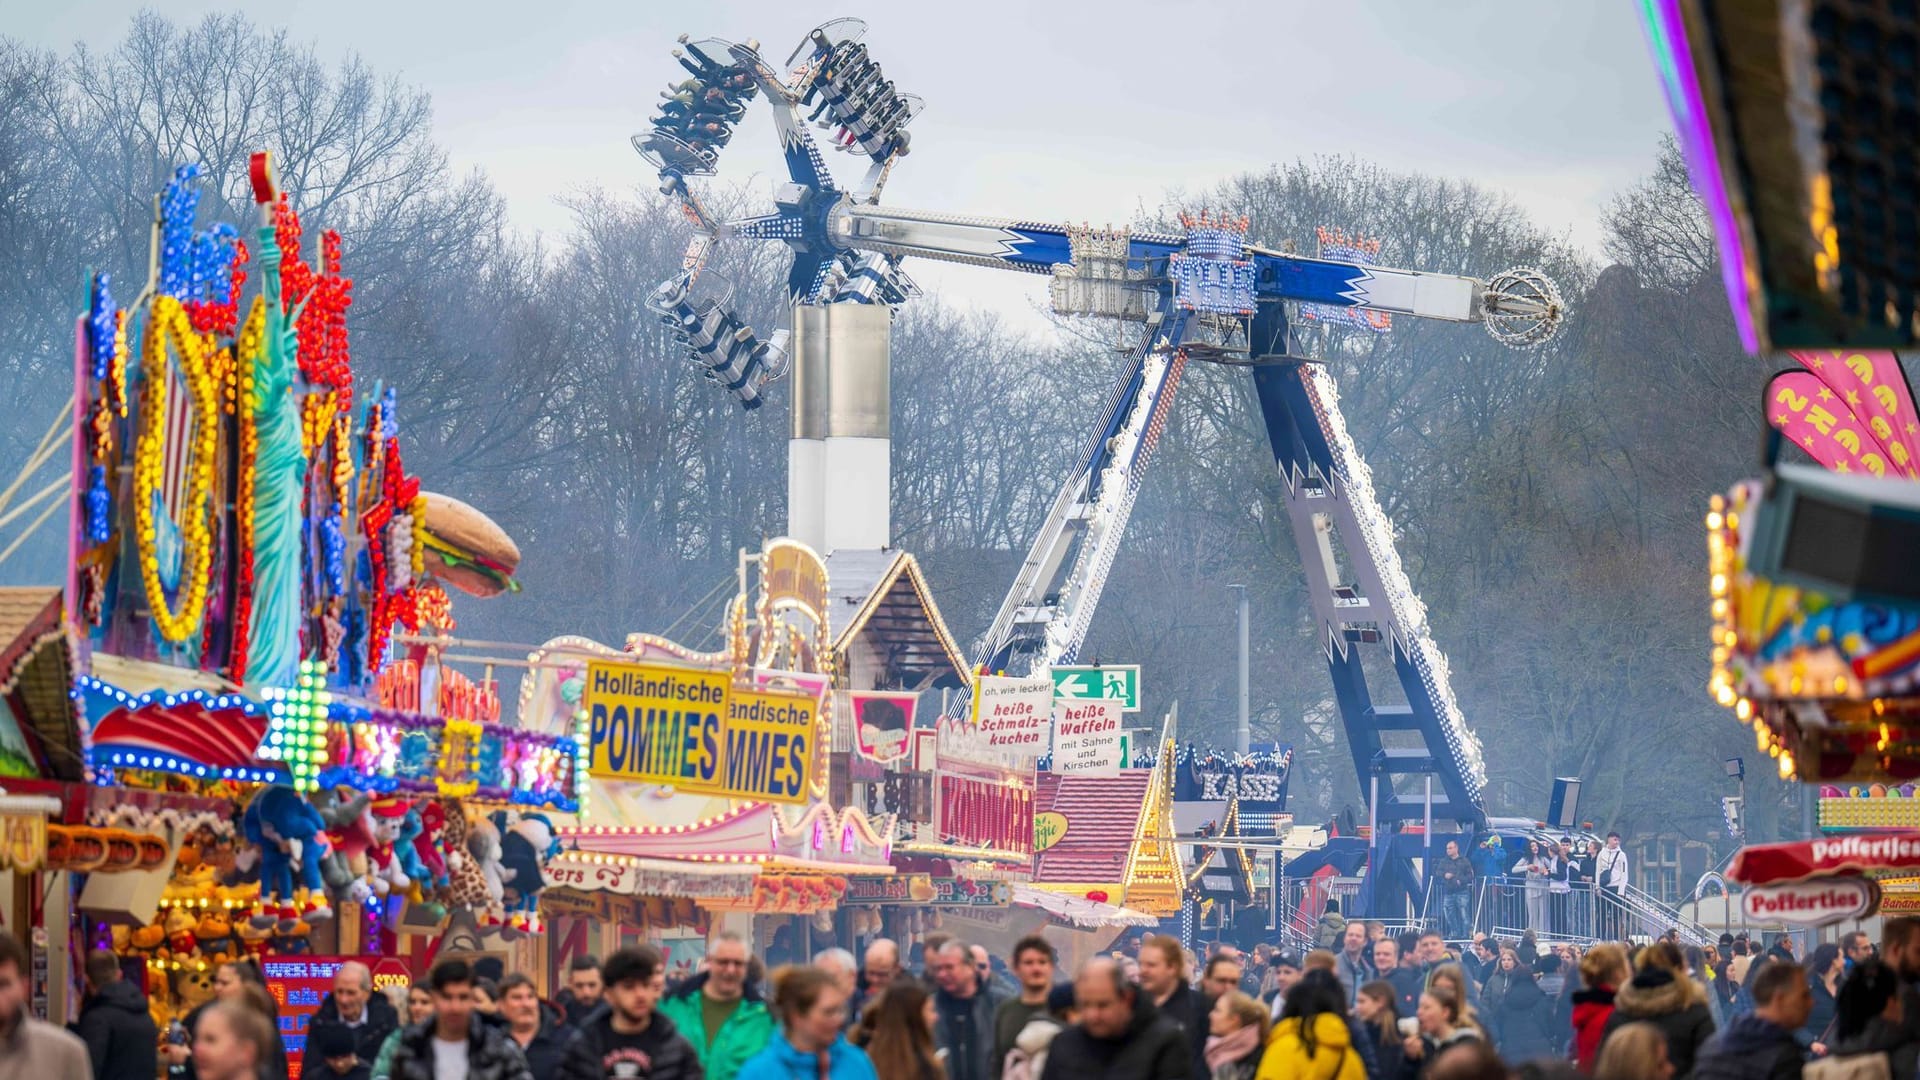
(792, 576)
(1048, 829)
(770, 745)
(23, 841)
(692, 729)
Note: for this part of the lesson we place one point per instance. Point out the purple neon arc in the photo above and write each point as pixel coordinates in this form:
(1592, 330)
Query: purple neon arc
(1667, 36)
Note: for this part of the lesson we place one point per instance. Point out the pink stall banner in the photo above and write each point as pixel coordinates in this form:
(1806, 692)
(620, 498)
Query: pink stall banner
(1874, 387)
(1808, 412)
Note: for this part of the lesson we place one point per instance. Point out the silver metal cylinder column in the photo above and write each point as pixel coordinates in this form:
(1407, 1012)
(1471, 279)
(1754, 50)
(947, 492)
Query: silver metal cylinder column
(839, 464)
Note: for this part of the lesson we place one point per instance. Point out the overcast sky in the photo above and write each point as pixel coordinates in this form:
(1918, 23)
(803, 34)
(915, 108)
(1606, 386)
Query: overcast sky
(1063, 111)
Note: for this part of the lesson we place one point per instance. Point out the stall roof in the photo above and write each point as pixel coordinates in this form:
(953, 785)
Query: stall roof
(885, 593)
(36, 669)
(1102, 813)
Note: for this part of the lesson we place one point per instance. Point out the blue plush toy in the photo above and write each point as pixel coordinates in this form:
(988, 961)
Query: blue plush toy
(408, 853)
(289, 833)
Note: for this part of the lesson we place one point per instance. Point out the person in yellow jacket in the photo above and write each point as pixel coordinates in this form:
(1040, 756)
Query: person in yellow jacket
(1311, 1041)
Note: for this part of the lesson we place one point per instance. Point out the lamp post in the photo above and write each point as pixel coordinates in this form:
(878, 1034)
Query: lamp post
(1737, 768)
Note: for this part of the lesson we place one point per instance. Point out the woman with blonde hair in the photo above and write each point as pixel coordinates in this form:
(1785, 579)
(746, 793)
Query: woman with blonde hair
(1453, 978)
(1635, 1052)
(1237, 1033)
(1662, 994)
(1440, 1027)
(1603, 971)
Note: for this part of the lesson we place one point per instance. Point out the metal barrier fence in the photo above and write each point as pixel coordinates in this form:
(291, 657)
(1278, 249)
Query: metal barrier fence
(1509, 906)
(1503, 906)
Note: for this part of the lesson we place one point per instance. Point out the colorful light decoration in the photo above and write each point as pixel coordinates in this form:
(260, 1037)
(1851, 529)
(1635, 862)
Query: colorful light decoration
(386, 750)
(167, 323)
(297, 734)
(1673, 57)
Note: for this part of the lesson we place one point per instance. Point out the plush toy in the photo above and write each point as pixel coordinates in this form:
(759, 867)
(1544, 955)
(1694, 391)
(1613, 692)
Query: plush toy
(406, 852)
(383, 861)
(525, 849)
(484, 847)
(215, 932)
(427, 845)
(289, 834)
(147, 942)
(467, 884)
(180, 939)
(191, 987)
(255, 940)
(350, 834)
(292, 940)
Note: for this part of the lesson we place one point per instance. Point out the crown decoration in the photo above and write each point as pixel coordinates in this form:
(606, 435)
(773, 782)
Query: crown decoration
(1338, 244)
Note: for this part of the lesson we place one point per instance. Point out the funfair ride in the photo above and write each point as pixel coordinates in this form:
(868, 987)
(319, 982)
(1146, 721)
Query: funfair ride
(1200, 294)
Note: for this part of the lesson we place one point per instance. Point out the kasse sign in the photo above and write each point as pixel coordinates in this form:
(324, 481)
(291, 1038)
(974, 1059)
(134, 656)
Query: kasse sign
(693, 729)
(1816, 902)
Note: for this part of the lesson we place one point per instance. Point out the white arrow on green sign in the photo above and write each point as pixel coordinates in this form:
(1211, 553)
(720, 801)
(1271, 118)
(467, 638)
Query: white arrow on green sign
(1111, 682)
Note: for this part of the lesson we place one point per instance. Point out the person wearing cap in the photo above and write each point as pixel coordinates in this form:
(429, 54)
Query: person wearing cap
(1286, 969)
(333, 1046)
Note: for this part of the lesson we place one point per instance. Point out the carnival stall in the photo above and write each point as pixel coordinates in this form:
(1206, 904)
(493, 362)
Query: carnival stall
(280, 764)
(1816, 633)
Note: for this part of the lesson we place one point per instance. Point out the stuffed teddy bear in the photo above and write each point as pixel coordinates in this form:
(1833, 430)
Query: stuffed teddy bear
(191, 987)
(180, 938)
(254, 940)
(147, 942)
(292, 940)
(216, 937)
(289, 833)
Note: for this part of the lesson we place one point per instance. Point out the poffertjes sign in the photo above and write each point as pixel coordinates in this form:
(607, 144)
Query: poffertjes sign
(693, 729)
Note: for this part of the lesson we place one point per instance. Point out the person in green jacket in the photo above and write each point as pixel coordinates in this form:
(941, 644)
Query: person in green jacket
(419, 1011)
(719, 1013)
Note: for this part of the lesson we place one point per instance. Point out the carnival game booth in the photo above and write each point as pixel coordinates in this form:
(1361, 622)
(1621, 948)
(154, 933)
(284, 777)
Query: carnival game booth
(246, 547)
(778, 871)
(711, 779)
(1814, 589)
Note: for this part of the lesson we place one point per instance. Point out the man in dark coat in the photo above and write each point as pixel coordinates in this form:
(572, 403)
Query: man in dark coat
(965, 1005)
(1408, 982)
(1163, 979)
(537, 1030)
(1761, 1046)
(628, 1036)
(1119, 1036)
(122, 1039)
(353, 1005)
(456, 1042)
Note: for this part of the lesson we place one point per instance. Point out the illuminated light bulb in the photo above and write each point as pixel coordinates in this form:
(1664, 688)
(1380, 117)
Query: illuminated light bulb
(1786, 766)
(1743, 709)
(1714, 521)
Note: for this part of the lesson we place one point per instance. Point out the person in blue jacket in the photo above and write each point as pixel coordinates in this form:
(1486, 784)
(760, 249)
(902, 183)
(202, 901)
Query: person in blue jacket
(811, 1009)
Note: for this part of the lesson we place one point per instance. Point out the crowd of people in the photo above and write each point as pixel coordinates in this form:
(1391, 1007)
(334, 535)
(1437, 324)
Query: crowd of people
(1377, 1006)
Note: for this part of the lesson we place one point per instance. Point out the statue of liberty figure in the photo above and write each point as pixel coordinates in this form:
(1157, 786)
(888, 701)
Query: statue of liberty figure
(280, 469)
